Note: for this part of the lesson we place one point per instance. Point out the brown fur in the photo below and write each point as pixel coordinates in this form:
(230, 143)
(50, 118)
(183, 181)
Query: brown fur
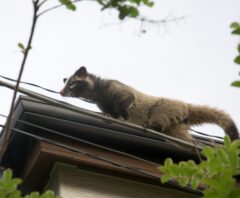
(168, 116)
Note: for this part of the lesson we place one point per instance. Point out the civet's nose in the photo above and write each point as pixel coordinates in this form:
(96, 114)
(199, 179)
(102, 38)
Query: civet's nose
(61, 92)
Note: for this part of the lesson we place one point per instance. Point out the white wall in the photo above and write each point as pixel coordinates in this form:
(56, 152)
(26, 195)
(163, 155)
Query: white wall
(72, 182)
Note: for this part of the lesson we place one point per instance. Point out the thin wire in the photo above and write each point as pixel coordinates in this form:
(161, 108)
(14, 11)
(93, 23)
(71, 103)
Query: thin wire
(204, 134)
(32, 84)
(81, 140)
(41, 87)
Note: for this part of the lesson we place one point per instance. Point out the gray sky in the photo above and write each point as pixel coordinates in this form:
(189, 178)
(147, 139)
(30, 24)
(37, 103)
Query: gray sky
(191, 60)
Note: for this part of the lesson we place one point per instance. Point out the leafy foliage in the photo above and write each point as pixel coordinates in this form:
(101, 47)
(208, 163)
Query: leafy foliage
(237, 59)
(236, 83)
(236, 28)
(68, 4)
(125, 7)
(236, 31)
(9, 185)
(216, 172)
(21, 46)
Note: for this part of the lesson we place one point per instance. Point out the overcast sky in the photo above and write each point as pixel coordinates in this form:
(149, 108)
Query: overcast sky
(191, 60)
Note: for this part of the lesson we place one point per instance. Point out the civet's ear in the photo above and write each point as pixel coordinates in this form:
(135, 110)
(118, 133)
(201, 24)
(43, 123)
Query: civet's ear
(64, 80)
(81, 72)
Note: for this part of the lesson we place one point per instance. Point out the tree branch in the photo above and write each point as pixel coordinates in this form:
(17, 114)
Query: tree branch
(55, 7)
(166, 20)
(25, 55)
(43, 2)
(144, 20)
(157, 22)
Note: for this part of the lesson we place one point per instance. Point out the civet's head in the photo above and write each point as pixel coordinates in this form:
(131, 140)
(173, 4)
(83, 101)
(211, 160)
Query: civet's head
(80, 84)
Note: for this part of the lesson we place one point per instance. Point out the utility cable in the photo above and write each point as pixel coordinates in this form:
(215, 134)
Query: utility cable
(41, 87)
(205, 134)
(31, 84)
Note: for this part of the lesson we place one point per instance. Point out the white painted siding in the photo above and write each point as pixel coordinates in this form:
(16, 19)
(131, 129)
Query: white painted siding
(71, 182)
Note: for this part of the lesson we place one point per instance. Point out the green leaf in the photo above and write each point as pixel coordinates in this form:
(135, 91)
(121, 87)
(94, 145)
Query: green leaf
(238, 48)
(214, 183)
(183, 181)
(136, 1)
(71, 7)
(34, 195)
(223, 156)
(134, 12)
(64, 2)
(227, 141)
(100, 2)
(15, 194)
(148, 3)
(175, 170)
(234, 163)
(163, 169)
(236, 84)
(237, 59)
(69, 4)
(236, 31)
(212, 194)
(191, 163)
(47, 194)
(235, 25)
(8, 188)
(214, 167)
(21, 46)
(182, 164)
(235, 193)
(165, 178)
(16, 181)
(236, 143)
(123, 12)
(7, 175)
(168, 162)
(203, 165)
(185, 170)
(194, 183)
(208, 152)
(188, 170)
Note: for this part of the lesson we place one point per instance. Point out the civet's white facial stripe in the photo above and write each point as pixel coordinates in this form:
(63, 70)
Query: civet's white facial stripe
(72, 85)
(90, 82)
(86, 79)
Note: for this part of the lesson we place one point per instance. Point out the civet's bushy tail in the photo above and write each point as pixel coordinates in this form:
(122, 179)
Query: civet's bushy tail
(204, 114)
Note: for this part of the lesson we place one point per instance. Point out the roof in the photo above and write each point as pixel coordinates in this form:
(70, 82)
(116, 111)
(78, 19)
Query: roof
(43, 133)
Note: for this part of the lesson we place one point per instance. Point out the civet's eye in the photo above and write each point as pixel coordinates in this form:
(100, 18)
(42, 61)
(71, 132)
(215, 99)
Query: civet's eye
(64, 80)
(70, 83)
